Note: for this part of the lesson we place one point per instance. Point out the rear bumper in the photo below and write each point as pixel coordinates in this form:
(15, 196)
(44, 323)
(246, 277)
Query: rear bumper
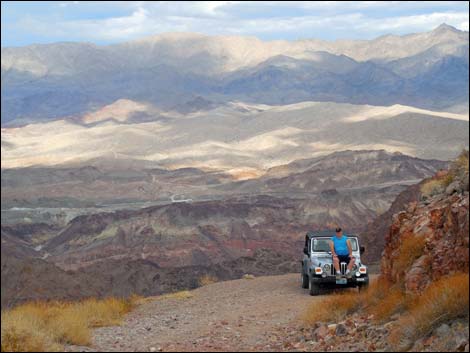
(331, 281)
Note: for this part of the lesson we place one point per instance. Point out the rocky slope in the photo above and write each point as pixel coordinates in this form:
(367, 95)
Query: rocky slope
(442, 224)
(25, 278)
(183, 234)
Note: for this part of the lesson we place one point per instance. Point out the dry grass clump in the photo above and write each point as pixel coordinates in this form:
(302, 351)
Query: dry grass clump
(410, 250)
(334, 307)
(392, 302)
(184, 294)
(435, 186)
(206, 280)
(181, 295)
(46, 326)
(461, 164)
(444, 300)
(381, 300)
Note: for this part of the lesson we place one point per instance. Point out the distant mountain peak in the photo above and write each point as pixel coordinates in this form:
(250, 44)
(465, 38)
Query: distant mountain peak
(444, 27)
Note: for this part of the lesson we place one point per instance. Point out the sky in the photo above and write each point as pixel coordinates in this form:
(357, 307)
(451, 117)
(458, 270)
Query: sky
(105, 22)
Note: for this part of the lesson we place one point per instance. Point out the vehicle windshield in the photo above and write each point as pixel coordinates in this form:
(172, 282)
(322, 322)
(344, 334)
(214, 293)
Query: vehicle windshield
(323, 244)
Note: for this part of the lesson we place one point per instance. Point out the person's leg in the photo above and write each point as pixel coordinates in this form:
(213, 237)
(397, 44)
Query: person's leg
(351, 263)
(336, 264)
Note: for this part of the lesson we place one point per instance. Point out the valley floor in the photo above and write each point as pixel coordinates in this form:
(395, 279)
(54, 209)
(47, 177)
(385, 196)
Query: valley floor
(240, 315)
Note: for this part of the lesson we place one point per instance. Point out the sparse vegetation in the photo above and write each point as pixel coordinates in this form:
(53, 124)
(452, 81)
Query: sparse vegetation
(206, 280)
(248, 276)
(435, 186)
(333, 308)
(381, 300)
(392, 301)
(444, 300)
(461, 164)
(181, 295)
(184, 294)
(459, 169)
(46, 326)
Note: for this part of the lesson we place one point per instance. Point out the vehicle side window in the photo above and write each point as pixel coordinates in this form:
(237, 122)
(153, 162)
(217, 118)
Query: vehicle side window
(309, 247)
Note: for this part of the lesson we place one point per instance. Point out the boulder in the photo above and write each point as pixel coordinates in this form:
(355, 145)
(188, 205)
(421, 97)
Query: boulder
(454, 187)
(341, 330)
(320, 333)
(442, 331)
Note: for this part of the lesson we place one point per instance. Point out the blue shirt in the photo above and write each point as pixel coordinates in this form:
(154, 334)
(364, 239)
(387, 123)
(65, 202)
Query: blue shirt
(341, 246)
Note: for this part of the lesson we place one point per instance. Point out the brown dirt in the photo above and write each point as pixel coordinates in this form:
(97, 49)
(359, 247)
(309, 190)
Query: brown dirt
(240, 315)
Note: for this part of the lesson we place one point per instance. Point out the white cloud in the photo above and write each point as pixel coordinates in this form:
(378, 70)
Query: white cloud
(288, 19)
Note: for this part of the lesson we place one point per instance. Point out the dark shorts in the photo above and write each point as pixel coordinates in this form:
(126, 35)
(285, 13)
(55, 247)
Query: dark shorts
(343, 258)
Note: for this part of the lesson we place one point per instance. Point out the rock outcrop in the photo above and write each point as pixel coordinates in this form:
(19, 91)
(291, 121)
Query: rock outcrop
(441, 225)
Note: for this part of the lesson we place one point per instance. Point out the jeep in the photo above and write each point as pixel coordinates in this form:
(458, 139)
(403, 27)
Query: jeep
(317, 265)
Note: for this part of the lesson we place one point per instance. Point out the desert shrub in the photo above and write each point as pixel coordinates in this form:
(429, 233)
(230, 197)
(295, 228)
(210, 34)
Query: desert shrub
(206, 280)
(411, 249)
(434, 187)
(46, 326)
(461, 163)
(444, 300)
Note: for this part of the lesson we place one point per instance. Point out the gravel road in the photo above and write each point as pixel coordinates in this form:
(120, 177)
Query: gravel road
(240, 315)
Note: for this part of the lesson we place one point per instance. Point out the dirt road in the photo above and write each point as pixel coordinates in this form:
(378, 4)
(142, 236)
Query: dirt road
(240, 315)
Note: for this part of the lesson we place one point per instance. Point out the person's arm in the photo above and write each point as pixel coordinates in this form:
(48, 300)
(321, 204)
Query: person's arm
(332, 248)
(348, 242)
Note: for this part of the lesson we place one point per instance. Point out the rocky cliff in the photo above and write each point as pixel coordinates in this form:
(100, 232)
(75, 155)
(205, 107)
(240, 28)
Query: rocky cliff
(430, 237)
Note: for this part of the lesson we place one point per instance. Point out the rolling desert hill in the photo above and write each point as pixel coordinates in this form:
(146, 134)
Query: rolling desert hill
(236, 138)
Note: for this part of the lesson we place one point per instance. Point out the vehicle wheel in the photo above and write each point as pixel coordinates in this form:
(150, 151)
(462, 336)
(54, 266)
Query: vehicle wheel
(314, 288)
(304, 280)
(363, 287)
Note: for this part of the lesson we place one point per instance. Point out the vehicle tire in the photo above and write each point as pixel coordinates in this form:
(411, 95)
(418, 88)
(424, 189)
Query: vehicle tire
(314, 288)
(304, 280)
(363, 287)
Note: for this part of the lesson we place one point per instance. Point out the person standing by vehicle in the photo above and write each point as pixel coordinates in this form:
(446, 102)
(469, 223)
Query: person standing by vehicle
(341, 250)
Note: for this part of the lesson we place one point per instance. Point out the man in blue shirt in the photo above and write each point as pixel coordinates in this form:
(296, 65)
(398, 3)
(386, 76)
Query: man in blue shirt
(341, 250)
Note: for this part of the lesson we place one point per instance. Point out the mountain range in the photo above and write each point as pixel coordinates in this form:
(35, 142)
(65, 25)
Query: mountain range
(176, 70)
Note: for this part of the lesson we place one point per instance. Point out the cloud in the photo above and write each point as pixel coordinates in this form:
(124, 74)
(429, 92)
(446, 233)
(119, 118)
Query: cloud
(122, 21)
